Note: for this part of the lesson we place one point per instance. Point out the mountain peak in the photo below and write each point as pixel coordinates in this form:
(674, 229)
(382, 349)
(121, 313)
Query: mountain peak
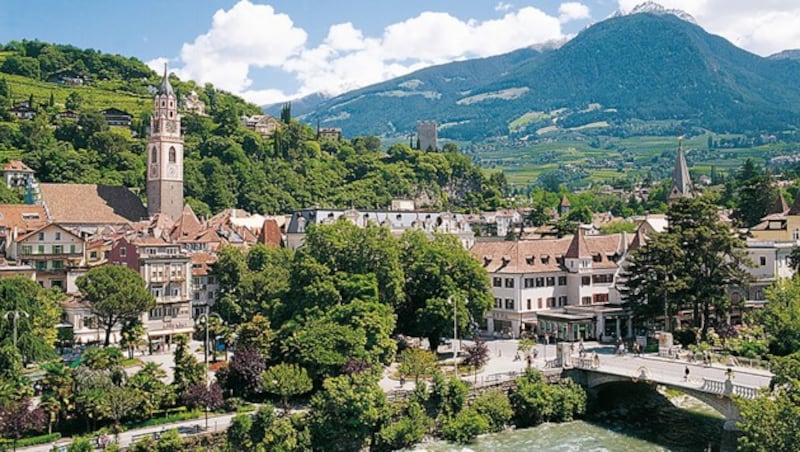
(650, 7)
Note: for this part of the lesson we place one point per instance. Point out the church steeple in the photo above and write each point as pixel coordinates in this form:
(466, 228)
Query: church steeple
(681, 182)
(165, 154)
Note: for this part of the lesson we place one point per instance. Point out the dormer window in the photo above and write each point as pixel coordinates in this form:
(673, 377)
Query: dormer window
(545, 259)
(597, 257)
(530, 260)
(487, 259)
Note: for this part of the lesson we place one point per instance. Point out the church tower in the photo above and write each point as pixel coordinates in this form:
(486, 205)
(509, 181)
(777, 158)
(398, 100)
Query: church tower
(681, 182)
(165, 155)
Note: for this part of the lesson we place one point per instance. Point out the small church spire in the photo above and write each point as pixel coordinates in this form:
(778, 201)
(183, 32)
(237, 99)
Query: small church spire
(681, 182)
(166, 87)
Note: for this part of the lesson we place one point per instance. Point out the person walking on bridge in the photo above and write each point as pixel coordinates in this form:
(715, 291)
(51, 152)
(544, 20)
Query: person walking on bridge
(686, 373)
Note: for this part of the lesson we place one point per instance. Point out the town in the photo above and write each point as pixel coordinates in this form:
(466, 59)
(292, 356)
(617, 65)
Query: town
(182, 269)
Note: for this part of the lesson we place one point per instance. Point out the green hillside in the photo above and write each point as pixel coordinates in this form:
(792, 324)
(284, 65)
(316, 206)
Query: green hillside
(226, 165)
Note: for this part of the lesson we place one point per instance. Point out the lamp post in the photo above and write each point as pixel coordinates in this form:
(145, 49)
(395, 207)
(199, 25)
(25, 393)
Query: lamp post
(454, 301)
(205, 352)
(16, 313)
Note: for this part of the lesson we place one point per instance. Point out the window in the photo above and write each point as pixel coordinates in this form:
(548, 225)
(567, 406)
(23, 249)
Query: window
(602, 279)
(40, 249)
(196, 296)
(562, 280)
(40, 236)
(562, 301)
(58, 249)
(539, 282)
(497, 282)
(172, 155)
(551, 281)
(529, 304)
(93, 255)
(58, 236)
(41, 265)
(600, 298)
(597, 258)
(762, 260)
(586, 281)
(586, 300)
(510, 282)
(498, 303)
(27, 249)
(123, 251)
(509, 303)
(540, 303)
(58, 265)
(153, 155)
(72, 249)
(528, 283)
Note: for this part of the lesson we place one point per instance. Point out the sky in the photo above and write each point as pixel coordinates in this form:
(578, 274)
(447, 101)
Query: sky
(276, 50)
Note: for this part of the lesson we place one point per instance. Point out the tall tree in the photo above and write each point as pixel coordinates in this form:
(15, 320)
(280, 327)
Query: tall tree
(36, 313)
(286, 380)
(704, 259)
(754, 194)
(116, 294)
(440, 272)
(188, 370)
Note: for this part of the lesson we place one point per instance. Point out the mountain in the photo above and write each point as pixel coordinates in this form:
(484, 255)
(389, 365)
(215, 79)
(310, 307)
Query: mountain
(790, 54)
(300, 107)
(641, 66)
(655, 8)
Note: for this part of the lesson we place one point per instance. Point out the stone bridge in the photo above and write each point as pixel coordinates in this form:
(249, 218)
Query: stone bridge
(718, 393)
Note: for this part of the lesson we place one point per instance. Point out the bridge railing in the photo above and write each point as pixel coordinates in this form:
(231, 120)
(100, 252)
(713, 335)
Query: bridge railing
(727, 388)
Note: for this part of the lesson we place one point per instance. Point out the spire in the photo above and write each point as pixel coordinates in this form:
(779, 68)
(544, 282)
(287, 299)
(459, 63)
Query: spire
(165, 87)
(681, 182)
(578, 248)
(780, 205)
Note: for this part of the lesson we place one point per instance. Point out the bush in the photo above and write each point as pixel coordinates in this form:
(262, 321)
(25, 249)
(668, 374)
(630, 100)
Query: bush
(175, 417)
(535, 401)
(83, 444)
(233, 404)
(495, 407)
(31, 441)
(405, 432)
(464, 427)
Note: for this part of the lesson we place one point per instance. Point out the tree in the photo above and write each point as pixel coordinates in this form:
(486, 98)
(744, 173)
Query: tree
(36, 332)
(436, 271)
(754, 194)
(243, 375)
(465, 426)
(132, 336)
(18, 419)
(781, 316)
(74, 101)
(116, 294)
(117, 403)
(536, 401)
(149, 381)
(477, 355)
(495, 406)
(794, 261)
(772, 421)
(406, 431)
(238, 434)
(208, 397)
(416, 361)
(57, 384)
(694, 262)
(170, 441)
(346, 412)
(256, 334)
(188, 370)
(286, 380)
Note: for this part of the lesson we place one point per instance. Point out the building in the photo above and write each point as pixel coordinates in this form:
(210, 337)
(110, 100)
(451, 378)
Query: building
(397, 222)
(681, 182)
(564, 206)
(17, 175)
(204, 283)
(23, 110)
(55, 253)
(192, 103)
(117, 118)
(165, 155)
(427, 135)
(166, 270)
(564, 288)
(90, 207)
(329, 133)
(17, 220)
(264, 125)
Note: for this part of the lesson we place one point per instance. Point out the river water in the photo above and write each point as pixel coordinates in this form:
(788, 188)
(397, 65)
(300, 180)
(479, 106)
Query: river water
(633, 422)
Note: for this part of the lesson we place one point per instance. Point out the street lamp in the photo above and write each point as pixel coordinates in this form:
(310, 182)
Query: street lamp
(16, 313)
(205, 352)
(454, 301)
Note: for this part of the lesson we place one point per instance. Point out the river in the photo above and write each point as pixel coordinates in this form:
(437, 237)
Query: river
(625, 420)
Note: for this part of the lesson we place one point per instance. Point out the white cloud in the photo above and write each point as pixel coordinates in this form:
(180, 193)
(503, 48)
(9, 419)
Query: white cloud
(157, 64)
(762, 27)
(570, 11)
(251, 36)
(503, 6)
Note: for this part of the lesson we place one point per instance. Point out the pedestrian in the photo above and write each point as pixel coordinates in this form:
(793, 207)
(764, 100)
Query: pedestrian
(535, 353)
(595, 360)
(686, 373)
(402, 380)
(530, 361)
(517, 357)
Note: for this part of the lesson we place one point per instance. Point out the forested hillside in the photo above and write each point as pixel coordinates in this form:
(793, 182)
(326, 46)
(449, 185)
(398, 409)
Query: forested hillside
(226, 164)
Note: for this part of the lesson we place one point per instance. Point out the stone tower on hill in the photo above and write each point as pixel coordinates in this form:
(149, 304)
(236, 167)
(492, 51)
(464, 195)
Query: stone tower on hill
(681, 182)
(165, 155)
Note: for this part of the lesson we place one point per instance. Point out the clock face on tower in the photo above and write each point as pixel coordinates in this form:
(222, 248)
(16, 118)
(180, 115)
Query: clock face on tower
(172, 170)
(171, 126)
(154, 170)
